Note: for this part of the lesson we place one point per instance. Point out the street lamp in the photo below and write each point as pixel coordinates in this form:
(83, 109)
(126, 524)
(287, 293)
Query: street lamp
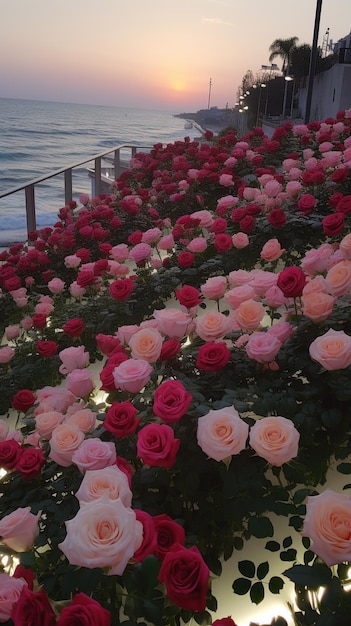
(288, 79)
(261, 86)
(270, 68)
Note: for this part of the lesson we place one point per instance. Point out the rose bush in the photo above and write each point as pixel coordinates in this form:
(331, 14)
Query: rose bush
(175, 371)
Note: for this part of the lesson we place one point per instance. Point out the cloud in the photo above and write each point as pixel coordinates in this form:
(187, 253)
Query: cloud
(215, 20)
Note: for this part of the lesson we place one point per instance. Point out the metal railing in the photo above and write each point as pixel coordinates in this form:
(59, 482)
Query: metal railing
(29, 187)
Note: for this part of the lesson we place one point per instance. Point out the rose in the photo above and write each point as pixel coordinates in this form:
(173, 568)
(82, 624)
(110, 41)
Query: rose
(57, 398)
(222, 433)
(275, 439)
(222, 242)
(46, 348)
(271, 250)
(186, 577)
(214, 287)
(317, 306)
(140, 253)
(224, 621)
(237, 295)
(249, 314)
(19, 529)
(262, 347)
(85, 419)
(23, 400)
(277, 218)
(185, 259)
(86, 546)
(12, 332)
(73, 358)
(333, 224)
(157, 446)
(94, 454)
(327, 524)
(30, 463)
(65, 440)
(345, 246)
(306, 203)
(172, 322)
(170, 348)
(6, 354)
(84, 611)
(240, 240)
(32, 609)
(344, 204)
(110, 481)
(291, 281)
(46, 422)
(149, 541)
(121, 289)
(121, 419)
(212, 325)
(338, 278)
(56, 285)
(213, 356)
(10, 452)
(146, 344)
(198, 244)
(80, 382)
(26, 573)
(74, 327)
(316, 260)
(4, 430)
(188, 296)
(332, 350)
(10, 591)
(168, 533)
(171, 401)
(132, 375)
(107, 343)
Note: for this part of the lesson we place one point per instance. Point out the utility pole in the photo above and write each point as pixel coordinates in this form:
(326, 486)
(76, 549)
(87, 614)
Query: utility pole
(209, 93)
(313, 61)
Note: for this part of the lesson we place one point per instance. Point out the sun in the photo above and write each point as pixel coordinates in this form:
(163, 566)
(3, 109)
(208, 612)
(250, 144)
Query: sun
(177, 84)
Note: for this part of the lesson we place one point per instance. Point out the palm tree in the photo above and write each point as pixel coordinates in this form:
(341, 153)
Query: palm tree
(282, 48)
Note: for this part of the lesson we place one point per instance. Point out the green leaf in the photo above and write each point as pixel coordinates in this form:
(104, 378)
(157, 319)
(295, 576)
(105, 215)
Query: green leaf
(288, 555)
(247, 568)
(344, 468)
(257, 593)
(272, 546)
(275, 584)
(261, 527)
(310, 576)
(203, 618)
(287, 542)
(241, 586)
(262, 570)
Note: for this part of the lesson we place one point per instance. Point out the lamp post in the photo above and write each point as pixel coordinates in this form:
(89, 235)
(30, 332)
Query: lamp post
(262, 86)
(313, 61)
(271, 68)
(288, 79)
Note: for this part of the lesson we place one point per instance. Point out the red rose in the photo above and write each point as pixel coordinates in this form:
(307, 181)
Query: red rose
(10, 452)
(333, 224)
(84, 254)
(26, 573)
(212, 356)
(122, 288)
(30, 463)
(219, 225)
(344, 205)
(339, 175)
(33, 609)
(121, 419)
(74, 327)
(135, 237)
(86, 278)
(168, 533)
(223, 242)
(84, 610)
(106, 377)
(238, 214)
(46, 348)
(124, 466)
(291, 281)
(23, 400)
(277, 218)
(13, 283)
(186, 259)
(170, 348)
(149, 542)
(188, 296)
(157, 446)
(224, 621)
(39, 320)
(247, 224)
(171, 401)
(335, 198)
(107, 343)
(306, 203)
(186, 577)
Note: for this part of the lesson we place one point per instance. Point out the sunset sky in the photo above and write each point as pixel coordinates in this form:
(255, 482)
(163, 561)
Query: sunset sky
(155, 54)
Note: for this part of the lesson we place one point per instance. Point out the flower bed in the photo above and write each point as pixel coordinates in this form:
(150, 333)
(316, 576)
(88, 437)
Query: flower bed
(178, 355)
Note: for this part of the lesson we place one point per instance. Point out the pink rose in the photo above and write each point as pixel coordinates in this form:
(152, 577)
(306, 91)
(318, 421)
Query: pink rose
(212, 325)
(110, 481)
(140, 252)
(80, 382)
(222, 433)
(72, 261)
(120, 252)
(86, 545)
(214, 287)
(56, 285)
(146, 344)
(198, 244)
(332, 350)
(240, 240)
(65, 440)
(151, 235)
(317, 306)
(316, 261)
(281, 330)
(166, 243)
(12, 332)
(338, 278)
(327, 524)
(262, 280)
(57, 398)
(263, 347)
(203, 217)
(75, 290)
(85, 419)
(249, 314)
(345, 246)
(275, 439)
(19, 529)
(237, 295)
(125, 333)
(132, 375)
(226, 180)
(275, 298)
(46, 422)
(271, 250)
(94, 454)
(172, 322)
(11, 589)
(73, 358)
(6, 354)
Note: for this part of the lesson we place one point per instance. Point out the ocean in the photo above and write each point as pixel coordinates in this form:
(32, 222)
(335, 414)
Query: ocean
(37, 138)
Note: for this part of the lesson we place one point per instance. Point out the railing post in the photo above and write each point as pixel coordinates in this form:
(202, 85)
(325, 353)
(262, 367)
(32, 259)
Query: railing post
(98, 176)
(68, 186)
(30, 208)
(117, 163)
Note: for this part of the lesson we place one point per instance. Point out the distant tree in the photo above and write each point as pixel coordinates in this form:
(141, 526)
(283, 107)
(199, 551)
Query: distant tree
(282, 48)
